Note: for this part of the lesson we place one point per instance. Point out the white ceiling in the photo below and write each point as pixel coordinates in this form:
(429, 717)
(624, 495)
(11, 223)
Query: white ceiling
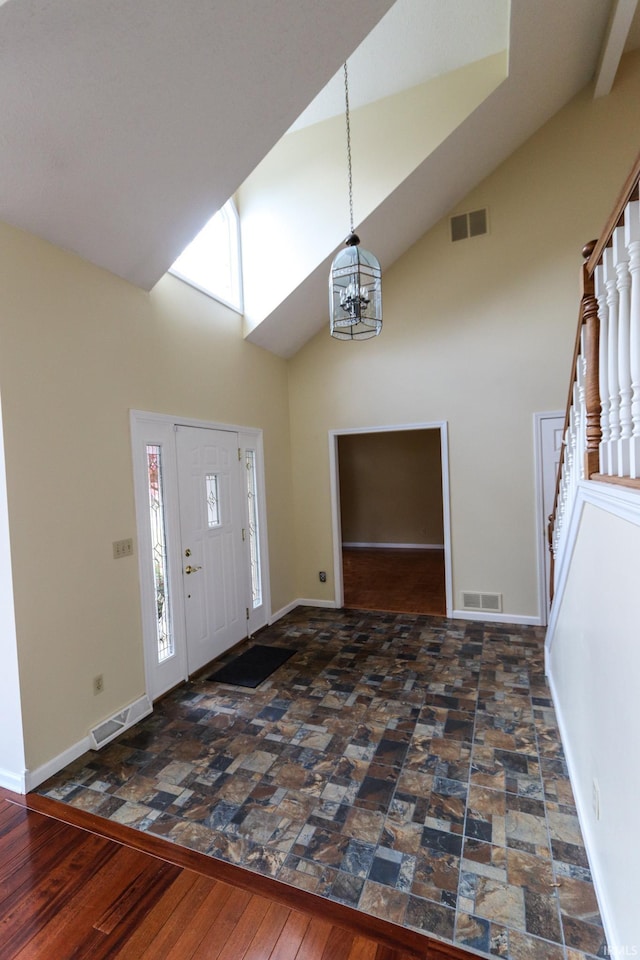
(124, 126)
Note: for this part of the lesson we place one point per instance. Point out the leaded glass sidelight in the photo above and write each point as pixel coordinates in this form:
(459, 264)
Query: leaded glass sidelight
(164, 629)
(254, 538)
(213, 500)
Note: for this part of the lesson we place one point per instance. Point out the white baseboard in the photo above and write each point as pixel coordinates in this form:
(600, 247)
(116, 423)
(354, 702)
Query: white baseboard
(279, 614)
(135, 711)
(397, 546)
(497, 617)
(16, 782)
(455, 615)
(35, 777)
(283, 611)
(582, 804)
(329, 604)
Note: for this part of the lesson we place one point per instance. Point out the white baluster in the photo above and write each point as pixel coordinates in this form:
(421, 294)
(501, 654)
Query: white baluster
(632, 237)
(603, 363)
(580, 402)
(568, 469)
(623, 283)
(572, 452)
(609, 275)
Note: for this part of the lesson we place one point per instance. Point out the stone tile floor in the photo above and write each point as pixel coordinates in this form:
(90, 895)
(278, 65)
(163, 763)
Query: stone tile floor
(405, 765)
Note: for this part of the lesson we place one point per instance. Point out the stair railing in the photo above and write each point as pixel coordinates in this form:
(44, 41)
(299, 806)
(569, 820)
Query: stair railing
(602, 424)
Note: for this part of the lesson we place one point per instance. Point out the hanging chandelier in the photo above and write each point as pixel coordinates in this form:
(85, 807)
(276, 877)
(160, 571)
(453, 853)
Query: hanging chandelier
(355, 281)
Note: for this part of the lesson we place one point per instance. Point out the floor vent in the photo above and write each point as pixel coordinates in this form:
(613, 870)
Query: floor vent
(465, 225)
(106, 731)
(482, 601)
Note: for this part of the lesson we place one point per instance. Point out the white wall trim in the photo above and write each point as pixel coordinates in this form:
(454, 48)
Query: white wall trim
(308, 602)
(515, 618)
(35, 777)
(283, 611)
(301, 602)
(137, 710)
(13, 759)
(622, 502)
(336, 525)
(541, 530)
(455, 615)
(334, 480)
(583, 819)
(395, 546)
(13, 781)
(192, 422)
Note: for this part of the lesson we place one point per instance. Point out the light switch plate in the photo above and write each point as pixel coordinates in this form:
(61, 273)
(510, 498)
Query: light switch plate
(122, 548)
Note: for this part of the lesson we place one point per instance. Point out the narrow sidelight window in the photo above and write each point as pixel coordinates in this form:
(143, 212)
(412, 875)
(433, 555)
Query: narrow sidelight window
(254, 532)
(164, 627)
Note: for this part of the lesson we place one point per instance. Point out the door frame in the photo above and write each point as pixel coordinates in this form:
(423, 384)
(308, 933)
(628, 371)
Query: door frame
(336, 525)
(157, 428)
(541, 520)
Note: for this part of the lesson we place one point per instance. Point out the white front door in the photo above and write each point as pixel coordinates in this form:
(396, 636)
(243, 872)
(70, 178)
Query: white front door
(212, 511)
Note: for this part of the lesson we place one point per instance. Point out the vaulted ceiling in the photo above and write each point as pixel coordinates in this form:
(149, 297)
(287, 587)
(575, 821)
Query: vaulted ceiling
(124, 126)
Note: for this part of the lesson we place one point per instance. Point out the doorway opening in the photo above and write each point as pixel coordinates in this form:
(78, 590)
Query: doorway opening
(391, 519)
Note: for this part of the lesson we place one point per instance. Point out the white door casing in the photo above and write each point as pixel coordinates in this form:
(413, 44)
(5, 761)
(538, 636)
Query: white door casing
(158, 429)
(211, 523)
(334, 473)
(548, 433)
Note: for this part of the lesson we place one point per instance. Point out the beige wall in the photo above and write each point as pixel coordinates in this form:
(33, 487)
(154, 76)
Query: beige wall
(78, 349)
(479, 334)
(391, 487)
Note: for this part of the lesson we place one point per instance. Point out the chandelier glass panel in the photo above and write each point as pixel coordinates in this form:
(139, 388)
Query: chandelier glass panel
(355, 281)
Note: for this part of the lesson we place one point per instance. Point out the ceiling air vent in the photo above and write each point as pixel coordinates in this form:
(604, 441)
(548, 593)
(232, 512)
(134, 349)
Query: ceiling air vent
(482, 601)
(465, 225)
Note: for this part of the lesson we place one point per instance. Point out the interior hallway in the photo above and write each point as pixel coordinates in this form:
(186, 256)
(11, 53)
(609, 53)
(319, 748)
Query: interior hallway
(402, 580)
(407, 766)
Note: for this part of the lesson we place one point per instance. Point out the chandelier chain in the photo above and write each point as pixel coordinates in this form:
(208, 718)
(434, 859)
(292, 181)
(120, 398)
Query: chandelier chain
(346, 100)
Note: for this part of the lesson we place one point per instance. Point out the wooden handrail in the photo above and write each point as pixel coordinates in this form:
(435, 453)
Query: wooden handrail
(628, 192)
(586, 298)
(587, 350)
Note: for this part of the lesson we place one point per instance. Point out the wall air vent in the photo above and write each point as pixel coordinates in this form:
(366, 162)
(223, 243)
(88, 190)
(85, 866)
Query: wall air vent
(482, 601)
(465, 225)
(119, 722)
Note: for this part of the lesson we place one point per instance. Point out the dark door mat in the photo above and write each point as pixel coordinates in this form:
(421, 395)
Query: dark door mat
(253, 666)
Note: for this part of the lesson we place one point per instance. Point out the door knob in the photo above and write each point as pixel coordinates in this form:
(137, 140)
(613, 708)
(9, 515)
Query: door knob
(190, 569)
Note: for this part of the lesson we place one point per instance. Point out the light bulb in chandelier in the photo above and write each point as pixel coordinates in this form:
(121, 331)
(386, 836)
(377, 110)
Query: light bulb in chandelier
(355, 293)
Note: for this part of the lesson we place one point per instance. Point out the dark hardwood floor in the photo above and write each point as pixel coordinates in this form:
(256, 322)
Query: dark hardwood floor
(397, 580)
(73, 885)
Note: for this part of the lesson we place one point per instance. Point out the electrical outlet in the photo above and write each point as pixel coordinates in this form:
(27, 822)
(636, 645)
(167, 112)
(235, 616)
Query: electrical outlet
(595, 798)
(98, 684)
(122, 548)
(323, 576)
